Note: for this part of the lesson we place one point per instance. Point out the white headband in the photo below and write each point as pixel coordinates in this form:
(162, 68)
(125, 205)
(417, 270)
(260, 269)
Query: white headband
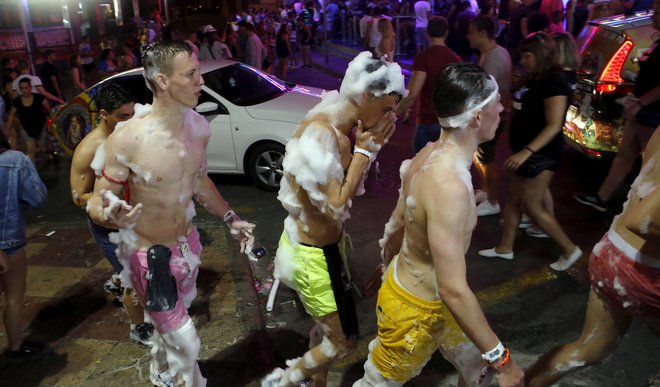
(460, 120)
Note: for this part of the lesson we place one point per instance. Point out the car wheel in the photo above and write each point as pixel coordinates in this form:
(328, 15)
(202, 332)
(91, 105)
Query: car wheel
(265, 166)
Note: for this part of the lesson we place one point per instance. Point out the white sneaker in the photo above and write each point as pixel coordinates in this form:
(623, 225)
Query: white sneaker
(536, 232)
(480, 196)
(485, 208)
(525, 221)
(491, 253)
(563, 264)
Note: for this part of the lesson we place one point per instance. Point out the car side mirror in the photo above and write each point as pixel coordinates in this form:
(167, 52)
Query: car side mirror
(206, 107)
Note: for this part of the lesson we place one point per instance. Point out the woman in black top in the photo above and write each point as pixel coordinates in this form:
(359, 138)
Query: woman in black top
(32, 110)
(283, 50)
(535, 137)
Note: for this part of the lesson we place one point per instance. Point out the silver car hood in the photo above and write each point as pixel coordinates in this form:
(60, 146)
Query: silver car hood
(289, 107)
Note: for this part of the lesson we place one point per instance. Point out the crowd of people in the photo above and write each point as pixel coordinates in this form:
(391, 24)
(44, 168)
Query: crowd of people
(139, 191)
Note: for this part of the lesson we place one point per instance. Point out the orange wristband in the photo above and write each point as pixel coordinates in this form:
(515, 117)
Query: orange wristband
(506, 358)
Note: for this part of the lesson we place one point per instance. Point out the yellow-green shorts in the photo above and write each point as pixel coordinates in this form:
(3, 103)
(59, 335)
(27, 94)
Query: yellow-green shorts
(305, 269)
(411, 329)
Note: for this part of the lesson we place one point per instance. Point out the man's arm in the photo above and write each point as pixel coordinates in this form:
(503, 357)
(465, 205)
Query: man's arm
(446, 228)
(393, 236)
(415, 84)
(48, 95)
(81, 176)
(56, 85)
(103, 207)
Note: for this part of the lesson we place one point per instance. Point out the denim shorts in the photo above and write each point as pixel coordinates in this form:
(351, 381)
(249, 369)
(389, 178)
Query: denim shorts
(13, 250)
(102, 238)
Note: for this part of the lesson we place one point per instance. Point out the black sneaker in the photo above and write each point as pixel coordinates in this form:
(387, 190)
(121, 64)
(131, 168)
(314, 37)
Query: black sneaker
(30, 351)
(593, 201)
(142, 333)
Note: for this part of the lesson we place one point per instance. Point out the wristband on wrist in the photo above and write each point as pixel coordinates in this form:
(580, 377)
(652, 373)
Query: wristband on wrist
(494, 354)
(532, 151)
(229, 216)
(365, 152)
(503, 361)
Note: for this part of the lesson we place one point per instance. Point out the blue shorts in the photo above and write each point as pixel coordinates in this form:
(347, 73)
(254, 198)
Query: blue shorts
(102, 238)
(13, 250)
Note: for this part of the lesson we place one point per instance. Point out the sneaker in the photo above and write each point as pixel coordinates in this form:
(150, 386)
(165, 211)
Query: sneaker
(525, 221)
(592, 201)
(485, 208)
(112, 287)
(30, 351)
(536, 232)
(142, 334)
(480, 196)
(491, 253)
(562, 264)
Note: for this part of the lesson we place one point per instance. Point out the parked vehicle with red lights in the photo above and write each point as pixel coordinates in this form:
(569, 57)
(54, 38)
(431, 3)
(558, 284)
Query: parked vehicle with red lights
(609, 49)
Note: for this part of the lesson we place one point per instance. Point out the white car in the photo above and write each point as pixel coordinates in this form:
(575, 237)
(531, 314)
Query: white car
(251, 114)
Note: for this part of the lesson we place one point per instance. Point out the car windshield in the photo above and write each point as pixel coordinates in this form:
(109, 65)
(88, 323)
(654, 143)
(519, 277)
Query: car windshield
(243, 85)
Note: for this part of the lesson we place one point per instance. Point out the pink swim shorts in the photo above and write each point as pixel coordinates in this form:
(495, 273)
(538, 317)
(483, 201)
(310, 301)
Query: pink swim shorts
(184, 265)
(627, 278)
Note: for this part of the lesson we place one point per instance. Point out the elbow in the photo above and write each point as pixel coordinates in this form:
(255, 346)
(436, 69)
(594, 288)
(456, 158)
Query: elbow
(451, 295)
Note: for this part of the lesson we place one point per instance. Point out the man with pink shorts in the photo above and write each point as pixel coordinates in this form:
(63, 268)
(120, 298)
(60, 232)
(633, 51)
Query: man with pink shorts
(624, 269)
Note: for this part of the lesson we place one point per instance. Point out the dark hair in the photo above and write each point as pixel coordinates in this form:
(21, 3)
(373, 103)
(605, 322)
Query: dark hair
(112, 96)
(542, 47)
(380, 84)
(437, 27)
(4, 144)
(537, 21)
(158, 58)
(5, 62)
(485, 23)
(458, 86)
(25, 80)
(105, 53)
(22, 64)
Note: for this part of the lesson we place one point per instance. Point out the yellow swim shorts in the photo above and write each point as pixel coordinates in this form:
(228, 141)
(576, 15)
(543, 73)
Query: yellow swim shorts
(311, 277)
(410, 330)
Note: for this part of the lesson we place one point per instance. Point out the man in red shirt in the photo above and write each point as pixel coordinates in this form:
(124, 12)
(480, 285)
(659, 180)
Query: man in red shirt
(426, 67)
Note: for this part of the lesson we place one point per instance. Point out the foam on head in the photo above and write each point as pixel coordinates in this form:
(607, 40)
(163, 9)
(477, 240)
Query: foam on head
(374, 76)
(463, 119)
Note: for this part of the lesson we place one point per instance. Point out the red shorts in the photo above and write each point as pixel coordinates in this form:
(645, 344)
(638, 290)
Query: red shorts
(184, 265)
(629, 280)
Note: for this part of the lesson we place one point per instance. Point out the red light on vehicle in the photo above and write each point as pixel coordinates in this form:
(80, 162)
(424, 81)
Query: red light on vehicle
(612, 72)
(605, 88)
(593, 152)
(49, 123)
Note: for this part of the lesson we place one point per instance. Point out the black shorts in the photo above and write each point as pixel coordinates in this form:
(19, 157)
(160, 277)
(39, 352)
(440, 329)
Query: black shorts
(536, 164)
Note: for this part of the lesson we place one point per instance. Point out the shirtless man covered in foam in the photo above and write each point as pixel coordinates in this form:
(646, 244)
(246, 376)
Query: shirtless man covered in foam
(158, 160)
(425, 303)
(321, 176)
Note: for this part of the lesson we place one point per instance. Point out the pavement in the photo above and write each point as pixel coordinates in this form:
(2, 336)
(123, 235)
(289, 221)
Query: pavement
(530, 307)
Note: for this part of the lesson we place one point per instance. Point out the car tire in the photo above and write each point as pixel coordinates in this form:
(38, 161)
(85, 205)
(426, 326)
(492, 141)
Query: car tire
(265, 165)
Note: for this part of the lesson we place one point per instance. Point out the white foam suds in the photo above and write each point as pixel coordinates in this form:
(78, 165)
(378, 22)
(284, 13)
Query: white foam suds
(569, 365)
(140, 174)
(410, 207)
(182, 153)
(98, 162)
(644, 225)
(309, 360)
(113, 202)
(190, 212)
(182, 349)
(357, 79)
(327, 348)
(620, 290)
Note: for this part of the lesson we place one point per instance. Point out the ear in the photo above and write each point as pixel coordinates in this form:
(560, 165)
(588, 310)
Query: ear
(477, 119)
(162, 81)
(103, 114)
